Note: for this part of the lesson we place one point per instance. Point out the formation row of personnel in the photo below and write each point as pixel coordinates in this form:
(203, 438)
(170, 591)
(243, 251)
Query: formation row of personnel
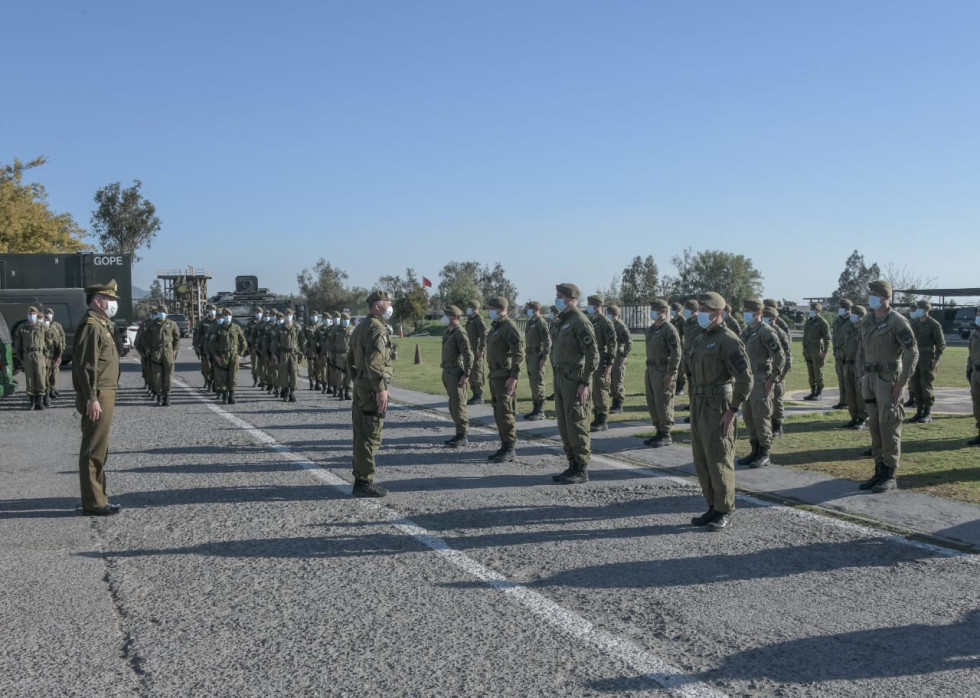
(39, 344)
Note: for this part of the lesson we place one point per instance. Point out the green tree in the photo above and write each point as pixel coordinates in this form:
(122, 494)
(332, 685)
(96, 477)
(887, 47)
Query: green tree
(641, 281)
(27, 224)
(494, 282)
(853, 281)
(411, 307)
(123, 220)
(326, 288)
(732, 275)
(462, 282)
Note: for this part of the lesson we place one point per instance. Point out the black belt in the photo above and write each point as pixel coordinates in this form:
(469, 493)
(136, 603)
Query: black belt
(847, 361)
(890, 366)
(764, 368)
(709, 390)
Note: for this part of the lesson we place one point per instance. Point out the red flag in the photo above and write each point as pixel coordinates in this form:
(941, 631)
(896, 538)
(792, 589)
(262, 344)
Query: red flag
(426, 282)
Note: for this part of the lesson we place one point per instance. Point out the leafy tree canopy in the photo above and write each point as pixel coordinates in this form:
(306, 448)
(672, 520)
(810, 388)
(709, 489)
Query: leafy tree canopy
(27, 224)
(123, 220)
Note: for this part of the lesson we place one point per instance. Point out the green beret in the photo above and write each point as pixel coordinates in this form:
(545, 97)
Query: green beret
(345, 316)
(691, 304)
(109, 290)
(33, 309)
(845, 303)
(676, 306)
(279, 313)
(858, 310)
(498, 302)
(596, 299)
(226, 311)
(336, 315)
(570, 290)
(659, 304)
(532, 305)
(924, 304)
(881, 288)
(452, 311)
(752, 304)
(377, 295)
(816, 306)
(475, 304)
(769, 311)
(613, 309)
(258, 310)
(712, 300)
(48, 311)
(770, 303)
(210, 307)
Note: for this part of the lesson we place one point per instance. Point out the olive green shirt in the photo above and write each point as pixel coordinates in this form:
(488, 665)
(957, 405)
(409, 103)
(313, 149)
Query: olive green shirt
(886, 342)
(624, 341)
(816, 336)
(716, 358)
(369, 353)
(766, 358)
(227, 342)
(505, 349)
(95, 359)
(573, 347)
(537, 339)
(286, 338)
(605, 339)
(456, 352)
(663, 346)
(162, 335)
(476, 332)
(929, 336)
(32, 338)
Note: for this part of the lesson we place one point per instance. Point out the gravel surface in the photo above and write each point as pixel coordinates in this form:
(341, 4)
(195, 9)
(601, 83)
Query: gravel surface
(241, 566)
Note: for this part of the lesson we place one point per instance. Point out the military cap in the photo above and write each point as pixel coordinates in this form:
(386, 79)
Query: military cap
(769, 311)
(453, 311)
(532, 305)
(288, 311)
(691, 304)
(816, 306)
(48, 311)
(924, 304)
(881, 288)
(770, 303)
(675, 306)
(345, 316)
(336, 315)
(377, 295)
(226, 311)
(660, 304)
(845, 303)
(109, 290)
(498, 302)
(613, 309)
(475, 304)
(570, 290)
(752, 304)
(258, 310)
(279, 313)
(712, 300)
(211, 306)
(858, 310)
(597, 299)
(33, 309)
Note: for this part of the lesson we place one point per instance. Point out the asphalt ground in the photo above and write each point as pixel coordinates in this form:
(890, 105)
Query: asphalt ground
(241, 566)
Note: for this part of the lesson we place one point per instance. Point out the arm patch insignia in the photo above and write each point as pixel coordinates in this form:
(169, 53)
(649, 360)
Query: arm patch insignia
(737, 360)
(906, 337)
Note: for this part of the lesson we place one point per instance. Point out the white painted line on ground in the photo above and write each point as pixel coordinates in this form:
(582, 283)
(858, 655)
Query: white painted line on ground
(570, 623)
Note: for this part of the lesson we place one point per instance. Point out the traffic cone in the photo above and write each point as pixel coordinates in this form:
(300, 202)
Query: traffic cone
(401, 331)
(418, 354)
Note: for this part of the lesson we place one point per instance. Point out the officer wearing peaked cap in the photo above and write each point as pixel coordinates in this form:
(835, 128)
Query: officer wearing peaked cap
(605, 337)
(476, 332)
(32, 343)
(663, 357)
(537, 343)
(456, 363)
(505, 354)
(766, 362)
(932, 343)
(838, 334)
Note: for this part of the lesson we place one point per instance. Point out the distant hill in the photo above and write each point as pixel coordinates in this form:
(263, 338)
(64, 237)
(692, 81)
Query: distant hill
(139, 293)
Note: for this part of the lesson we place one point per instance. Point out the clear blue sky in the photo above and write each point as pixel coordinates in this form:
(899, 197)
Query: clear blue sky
(558, 137)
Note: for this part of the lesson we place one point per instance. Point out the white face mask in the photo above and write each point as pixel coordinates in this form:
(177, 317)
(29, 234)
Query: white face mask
(494, 314)
(31, 318)
(315, 319)
(289, 318)
(654, 315)
(267, 318)
(258, 316)
(766, 320)
(163, 316)
(813, 313)
(551, 316)
(47, 323)
(388, 313)
(445, 320)
(704, 319)
(280, 321)
(842, 312)
(688, 313)
(345, 323)
(855, 319)
(50, 318)
(874, 302)
(112, 309)
(748, 317)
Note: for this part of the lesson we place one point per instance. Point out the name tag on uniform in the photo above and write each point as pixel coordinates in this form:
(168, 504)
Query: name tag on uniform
(710, 346)
(882, 325)
(565, 326)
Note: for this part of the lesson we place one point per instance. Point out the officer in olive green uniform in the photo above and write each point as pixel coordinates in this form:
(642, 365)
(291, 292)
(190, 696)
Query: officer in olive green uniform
(342, 381)
(163, 342)
(262, 338)
(331, 370)
(199, 342)
(505, 354)
(624, 345)
(369, 358)
(851, 387)
(54, 364)
(816, 342)
(730, 322)
(973, 376)
(839, 333)
(932, 343)
(887, 356)
(251, 335)
(32, 344)
(574, 358)
(691, 331)
(476, 332)
(456, 363)
(286, 352)
(767, 363)
(95, 376)
(537, 343)
(139, 344)
(663, 347)
(720, 381)
(308, 342)
(274, 373)
(678, 320)
(779, 392)
(322, 341)
(605, 338)
(226, 345)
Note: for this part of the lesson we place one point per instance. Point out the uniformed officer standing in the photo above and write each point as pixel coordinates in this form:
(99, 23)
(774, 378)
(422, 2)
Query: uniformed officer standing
(505, 354)
(574, 358)
(456, 363)
(973, 376)
(331, 358)
(766, 361)
(678, 320)
(199, 342)
(537, 343)
(816, 342)
(32, 343)
(342, 380)
(851, 387)
(476, 332)
(308, 342)
(322, 340)
(605, 339)
(663, 347)
(690, 333)
(369, 358)
(779, 392)
(95, 376)
(139, 344)
(839, 333)
(720, 381)
(55, 360)
(624, 345)
(286, 352)
(251, 335)
(226, 345)
(163, 342)
(931, 342)
(887, 356)
(730, 322)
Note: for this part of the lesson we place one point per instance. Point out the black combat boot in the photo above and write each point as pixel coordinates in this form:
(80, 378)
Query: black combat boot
(506, 454)
(159, 399)
(578, 476)
(873, 480)
(761, 459)
(867, 453)
(284, 394)
(910, 402)
(45, 402)
(347, 394)
(457, 441)
(329, 390)
(851, 424)
(292, 395)
(568, 471)
(721, 521)
(31, 402)
(777, 428)
(340, 394)
(917, 417)
(477, 399)
(275, 392)
(311, 385)
(550, 397)
(366, 488)
(496, 453)
(818, 393)
(705, 518)
(839, 406)
(224, 397)
(617, 407)
(599, 424)
(747, 460)
(231, 397)
(255, 382)
(926, 416)
(269, 388)
(536, 413)
(886, 481)
(812, 395)
(975, 441)
(166, 400)
(860, 424)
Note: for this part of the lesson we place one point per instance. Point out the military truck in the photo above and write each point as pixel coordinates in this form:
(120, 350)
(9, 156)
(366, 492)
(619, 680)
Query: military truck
(8, 386)
(965, 320)
(248, 295)
(68, 305)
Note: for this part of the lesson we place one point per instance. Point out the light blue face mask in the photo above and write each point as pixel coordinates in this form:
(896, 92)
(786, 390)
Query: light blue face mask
(874, 302)
(280, 321)
(842, 312)
(704, 319)
(748, 317)
(551, 316)
(688, 313)
(813, 313)
(977, 320)
(530, 313)
(345, 323)
(560, 304)
(855, 319)
(163, 316)
(590, 310)
(469, 311)
(917, 313)
(315, 319)
(267, 318)
(766, 320)
(494, 314)
(654, 315)
(31, 318)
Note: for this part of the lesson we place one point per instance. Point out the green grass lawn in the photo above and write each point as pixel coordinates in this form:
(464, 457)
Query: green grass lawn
(935, 458)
